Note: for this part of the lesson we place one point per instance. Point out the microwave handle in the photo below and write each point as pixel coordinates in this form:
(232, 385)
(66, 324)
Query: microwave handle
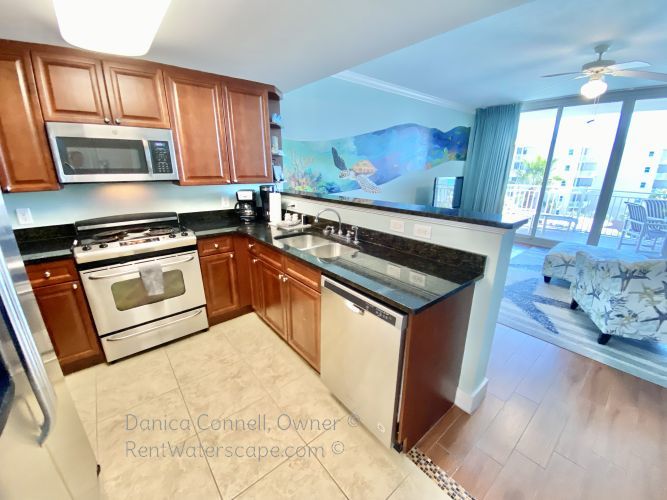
(149, 160)
(134, 270)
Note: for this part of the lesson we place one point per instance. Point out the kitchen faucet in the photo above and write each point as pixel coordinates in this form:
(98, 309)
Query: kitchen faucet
(340, 224)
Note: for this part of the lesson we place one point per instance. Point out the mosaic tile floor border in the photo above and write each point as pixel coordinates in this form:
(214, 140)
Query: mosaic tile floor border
(439, 476)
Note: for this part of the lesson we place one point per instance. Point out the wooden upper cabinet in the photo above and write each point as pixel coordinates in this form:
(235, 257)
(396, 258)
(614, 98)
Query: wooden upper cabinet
(248, 132)
(25, 159)
(196, 109)
(71, 87)
(136, 94)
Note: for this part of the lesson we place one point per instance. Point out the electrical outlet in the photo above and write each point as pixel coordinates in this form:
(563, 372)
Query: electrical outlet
(418, 279)
(393, 271)
(397, 225)
(422, 231)
(24, 216)
(226, 202)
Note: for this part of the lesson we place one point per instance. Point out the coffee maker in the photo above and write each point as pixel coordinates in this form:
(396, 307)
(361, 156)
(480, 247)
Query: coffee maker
(246, 205)
(264, 191)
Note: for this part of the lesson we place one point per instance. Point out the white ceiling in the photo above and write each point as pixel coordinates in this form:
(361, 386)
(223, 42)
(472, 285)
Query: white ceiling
(499, 59)
(288, 43)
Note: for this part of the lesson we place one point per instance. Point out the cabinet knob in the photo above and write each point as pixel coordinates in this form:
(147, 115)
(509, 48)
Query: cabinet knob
(215, 245)
(284, 279)
(231, 255)
(250, 245)
(107, 119)
(254, 260)
(74, 286)
(117, 121)
(47, 274)
(9, 188)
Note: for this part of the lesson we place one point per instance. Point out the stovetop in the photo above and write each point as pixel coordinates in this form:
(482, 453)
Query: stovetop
(119, 237)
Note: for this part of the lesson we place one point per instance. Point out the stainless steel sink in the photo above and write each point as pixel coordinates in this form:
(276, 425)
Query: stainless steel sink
(304, 241)
(331, 251)
(317, 246)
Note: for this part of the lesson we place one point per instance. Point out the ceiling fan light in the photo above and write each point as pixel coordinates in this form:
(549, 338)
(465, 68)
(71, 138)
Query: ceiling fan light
(594, 87)
(122, 27)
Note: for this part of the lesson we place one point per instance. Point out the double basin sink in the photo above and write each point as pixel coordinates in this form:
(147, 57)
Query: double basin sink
(317, 246)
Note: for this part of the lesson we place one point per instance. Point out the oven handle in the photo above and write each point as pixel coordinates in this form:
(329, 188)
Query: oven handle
(113, 275)
(134, 334)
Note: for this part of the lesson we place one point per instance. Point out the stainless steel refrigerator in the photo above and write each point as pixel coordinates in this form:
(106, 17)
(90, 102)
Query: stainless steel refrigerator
(44, 451)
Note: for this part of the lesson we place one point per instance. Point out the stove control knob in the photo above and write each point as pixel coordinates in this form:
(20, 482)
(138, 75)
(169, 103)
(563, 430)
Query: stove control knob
(103, 245)
(85, 247)
(184, 233)
(172, 235)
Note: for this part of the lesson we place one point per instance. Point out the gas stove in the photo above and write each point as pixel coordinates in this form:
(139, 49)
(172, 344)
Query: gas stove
(123, 237)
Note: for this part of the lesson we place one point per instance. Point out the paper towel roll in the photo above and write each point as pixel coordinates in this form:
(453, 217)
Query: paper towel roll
(275, 207)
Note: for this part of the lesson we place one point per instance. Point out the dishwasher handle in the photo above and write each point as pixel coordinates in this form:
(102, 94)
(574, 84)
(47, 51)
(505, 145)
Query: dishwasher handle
(355, 309)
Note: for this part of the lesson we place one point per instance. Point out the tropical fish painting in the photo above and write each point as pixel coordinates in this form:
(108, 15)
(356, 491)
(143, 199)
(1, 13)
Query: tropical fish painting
(369, 160)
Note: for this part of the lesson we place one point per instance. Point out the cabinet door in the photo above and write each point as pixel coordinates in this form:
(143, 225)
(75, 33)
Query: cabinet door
(248, 132)
(136, 94)
(25, 160)
(220, 284)
(196, 108)
(69, 324)
(303, 320)
(71, 87)
(256, 285)
(272, 298)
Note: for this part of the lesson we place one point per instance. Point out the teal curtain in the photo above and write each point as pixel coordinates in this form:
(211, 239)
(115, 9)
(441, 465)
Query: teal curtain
(489, 158)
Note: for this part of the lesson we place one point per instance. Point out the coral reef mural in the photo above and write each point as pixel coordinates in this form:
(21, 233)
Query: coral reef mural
(368, 161)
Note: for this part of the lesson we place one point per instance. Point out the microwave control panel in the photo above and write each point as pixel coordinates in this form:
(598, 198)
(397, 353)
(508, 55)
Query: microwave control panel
(161, 157)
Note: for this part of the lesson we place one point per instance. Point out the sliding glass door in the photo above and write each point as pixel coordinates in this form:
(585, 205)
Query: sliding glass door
(577, 165)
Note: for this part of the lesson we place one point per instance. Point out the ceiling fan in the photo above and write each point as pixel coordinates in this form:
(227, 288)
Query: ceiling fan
(597, 70)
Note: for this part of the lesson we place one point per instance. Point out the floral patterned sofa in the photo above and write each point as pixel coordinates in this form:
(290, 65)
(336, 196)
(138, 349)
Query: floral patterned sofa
(623, 297)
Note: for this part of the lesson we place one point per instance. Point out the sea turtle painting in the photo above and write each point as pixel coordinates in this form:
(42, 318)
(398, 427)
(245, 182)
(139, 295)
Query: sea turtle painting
(360, 172)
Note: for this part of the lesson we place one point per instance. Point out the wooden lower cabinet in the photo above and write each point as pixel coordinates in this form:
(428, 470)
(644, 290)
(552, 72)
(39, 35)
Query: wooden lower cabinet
(303, 320)
(273, 309)
(70, 326)
(220, 285)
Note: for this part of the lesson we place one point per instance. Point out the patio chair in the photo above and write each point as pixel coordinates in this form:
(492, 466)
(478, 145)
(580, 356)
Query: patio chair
(638, 225)
(656, 209)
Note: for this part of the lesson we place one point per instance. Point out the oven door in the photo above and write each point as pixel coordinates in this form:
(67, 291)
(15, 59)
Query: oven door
(105, 153)
(118, 299)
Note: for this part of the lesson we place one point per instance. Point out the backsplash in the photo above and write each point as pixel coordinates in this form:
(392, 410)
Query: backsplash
(83, 201)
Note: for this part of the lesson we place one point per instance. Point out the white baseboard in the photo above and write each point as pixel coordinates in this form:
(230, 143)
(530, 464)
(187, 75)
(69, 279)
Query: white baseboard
(469, 402)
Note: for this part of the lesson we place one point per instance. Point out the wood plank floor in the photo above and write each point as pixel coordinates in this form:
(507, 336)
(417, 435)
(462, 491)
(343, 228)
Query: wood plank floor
(555, 425)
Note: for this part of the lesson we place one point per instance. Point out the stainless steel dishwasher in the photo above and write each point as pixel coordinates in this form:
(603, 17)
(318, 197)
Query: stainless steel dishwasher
(362, 356)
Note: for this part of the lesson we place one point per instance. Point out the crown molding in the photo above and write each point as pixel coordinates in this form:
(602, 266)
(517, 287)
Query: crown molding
(384, 86)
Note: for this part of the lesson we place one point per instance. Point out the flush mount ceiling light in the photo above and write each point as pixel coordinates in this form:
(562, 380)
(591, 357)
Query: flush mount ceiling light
(594, 87)
(123, 27)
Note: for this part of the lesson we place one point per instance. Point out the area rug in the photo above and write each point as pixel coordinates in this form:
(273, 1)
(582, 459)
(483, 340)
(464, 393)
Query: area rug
(543, 311)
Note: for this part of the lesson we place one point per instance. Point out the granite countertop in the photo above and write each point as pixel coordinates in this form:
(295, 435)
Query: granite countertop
(406, 274)
(453, 214)
(403, 280)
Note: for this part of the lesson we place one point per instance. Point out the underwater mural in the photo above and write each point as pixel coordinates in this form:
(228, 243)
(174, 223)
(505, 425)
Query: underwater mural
(368, 161)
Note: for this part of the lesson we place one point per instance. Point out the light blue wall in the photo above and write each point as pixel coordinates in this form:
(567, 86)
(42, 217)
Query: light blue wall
(334, 109)
(83, 201)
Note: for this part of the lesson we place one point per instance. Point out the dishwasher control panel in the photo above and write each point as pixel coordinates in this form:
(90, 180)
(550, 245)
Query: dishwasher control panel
(364, 304)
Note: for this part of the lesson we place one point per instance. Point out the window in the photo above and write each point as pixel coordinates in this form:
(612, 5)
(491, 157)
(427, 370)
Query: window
(567, 168)
(583, 182)
(518, 150)
(651, 154)
(647, 169)
(642, 185)
(570, 152)
(563, 183)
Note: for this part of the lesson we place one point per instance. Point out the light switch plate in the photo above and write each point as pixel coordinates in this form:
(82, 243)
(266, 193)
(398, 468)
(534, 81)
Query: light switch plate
(422, 231)
(393, 271)
(24, 216)
(418, 279)
(397, 225)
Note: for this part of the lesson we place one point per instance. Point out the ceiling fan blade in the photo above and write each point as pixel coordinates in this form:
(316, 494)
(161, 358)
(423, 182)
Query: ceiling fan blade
(628, 65)
(645, 75)
(561, 74)
(581, 76)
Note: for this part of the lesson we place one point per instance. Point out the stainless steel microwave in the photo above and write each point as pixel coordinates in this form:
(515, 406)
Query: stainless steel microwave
(107, 153)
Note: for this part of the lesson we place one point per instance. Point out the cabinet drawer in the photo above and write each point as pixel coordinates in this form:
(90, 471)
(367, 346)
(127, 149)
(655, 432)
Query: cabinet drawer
(217, 244)
(267, 254)
(303, 273)
(52, 273)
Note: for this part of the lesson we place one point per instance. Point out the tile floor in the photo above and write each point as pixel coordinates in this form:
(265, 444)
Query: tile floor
(151, 418)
